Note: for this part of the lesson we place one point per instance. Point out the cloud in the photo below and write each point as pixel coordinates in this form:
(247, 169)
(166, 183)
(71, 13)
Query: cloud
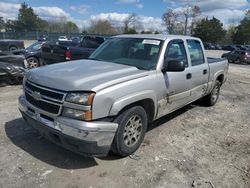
(82, 9)
(51, 12)
(133, 2)
(229, 11)
(9, 10)
(139, 5)
(206, 5)
(115, 18)
(226, 16)
(147, 22)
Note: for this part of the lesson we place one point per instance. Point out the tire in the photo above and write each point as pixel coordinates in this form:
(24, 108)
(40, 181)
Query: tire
(32, 62)
(12, 48)
(129, 134)
(237, 61)
(212, 98)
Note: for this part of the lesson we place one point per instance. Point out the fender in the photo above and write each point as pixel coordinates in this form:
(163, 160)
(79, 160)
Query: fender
(121, 103)
(212, 82)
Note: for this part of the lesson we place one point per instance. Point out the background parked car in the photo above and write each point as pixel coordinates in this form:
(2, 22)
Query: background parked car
(242, 47)
(237, 56)
(62, 38)
(209, 46)
(10, 45)
(32, 54)
(42, 38)
(248, 47)
(218, 47)
(76, 39)
(55, 52)
(229, 48)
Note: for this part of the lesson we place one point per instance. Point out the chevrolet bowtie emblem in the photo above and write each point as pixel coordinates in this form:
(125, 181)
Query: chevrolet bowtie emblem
(36, 95)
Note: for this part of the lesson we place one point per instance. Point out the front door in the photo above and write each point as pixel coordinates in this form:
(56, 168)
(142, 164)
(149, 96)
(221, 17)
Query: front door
(178, 84)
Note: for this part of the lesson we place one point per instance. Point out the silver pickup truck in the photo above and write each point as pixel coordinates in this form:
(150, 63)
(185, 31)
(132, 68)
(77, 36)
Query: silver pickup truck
(106, 102)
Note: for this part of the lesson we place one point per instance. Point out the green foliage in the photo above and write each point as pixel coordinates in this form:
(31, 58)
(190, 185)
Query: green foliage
(130, 31)
(242, 34)
(28, 20)
(209, 30)
(228, 39)
(101, 27)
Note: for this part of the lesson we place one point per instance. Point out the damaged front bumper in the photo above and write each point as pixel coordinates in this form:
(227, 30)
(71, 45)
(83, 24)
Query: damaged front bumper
(87, 138)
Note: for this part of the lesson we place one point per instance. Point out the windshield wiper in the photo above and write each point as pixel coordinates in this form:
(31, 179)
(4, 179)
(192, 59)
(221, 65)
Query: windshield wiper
(140, 68)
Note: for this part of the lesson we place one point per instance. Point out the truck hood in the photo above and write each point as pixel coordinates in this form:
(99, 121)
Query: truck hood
(84, 75)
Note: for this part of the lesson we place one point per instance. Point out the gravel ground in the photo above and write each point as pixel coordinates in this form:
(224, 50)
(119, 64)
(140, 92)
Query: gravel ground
(194, 147)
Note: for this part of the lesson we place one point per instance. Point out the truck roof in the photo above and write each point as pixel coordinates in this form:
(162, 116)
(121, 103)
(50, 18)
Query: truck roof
(156, 36)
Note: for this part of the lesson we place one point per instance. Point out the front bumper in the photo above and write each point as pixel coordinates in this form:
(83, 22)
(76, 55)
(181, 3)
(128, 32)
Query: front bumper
(87, 138)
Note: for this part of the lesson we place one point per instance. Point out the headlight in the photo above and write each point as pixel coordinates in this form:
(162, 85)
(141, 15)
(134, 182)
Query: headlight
(77, 114)
(80, 98)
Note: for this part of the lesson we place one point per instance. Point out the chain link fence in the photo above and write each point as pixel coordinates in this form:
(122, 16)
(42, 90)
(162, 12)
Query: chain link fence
(35, 35)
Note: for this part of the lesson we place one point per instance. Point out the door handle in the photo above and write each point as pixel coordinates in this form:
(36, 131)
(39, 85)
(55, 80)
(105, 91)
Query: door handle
(205, 71)
(189, 75)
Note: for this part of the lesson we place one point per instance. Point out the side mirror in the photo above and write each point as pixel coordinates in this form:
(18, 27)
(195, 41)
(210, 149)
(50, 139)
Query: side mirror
(173, 66)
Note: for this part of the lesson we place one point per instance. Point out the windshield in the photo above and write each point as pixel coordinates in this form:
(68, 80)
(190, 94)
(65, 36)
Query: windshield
(138, 52)
(35, 46)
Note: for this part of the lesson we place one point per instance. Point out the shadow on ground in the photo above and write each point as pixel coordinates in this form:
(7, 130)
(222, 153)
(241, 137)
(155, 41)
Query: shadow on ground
(171, 116)
(29, 140)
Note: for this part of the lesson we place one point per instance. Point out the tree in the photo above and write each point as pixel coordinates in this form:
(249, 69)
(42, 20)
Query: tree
(228, 39)
(28, 20)
(131, 23)
(128, 21)
(130, 31)
(209, 30)
(242, 34)
(10, 25)
(190, 12)
(2, 23)
(101, 27)
(71, 27)
(177, 22)
(170, 19)
(62, 25)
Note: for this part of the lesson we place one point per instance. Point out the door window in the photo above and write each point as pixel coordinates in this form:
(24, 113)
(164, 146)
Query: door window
(196, 52)
(176, 51)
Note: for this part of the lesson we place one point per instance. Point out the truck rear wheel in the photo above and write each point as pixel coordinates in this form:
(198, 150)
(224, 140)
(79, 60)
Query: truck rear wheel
(132, 126)
(12, 48)
(212, 98)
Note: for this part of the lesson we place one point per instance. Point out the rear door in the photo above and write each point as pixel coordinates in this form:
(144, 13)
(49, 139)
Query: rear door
(199, 69)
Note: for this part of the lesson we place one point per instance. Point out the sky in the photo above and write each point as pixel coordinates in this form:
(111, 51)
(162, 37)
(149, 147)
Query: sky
(149, 11)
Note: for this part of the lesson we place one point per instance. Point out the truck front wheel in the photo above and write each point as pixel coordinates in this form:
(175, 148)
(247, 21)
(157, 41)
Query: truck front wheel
(132, 126)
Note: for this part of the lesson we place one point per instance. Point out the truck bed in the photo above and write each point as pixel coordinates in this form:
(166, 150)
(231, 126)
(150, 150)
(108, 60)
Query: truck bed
(214, 60)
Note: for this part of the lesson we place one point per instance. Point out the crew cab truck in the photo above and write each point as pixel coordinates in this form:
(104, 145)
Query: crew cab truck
(106, 102)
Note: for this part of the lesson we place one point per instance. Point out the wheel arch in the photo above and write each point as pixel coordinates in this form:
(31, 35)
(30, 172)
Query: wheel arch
(146, 100)
(220, 78)
(12, 45)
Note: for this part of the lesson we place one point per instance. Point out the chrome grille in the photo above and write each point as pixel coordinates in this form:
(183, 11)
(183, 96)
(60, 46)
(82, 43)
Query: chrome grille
(45, 99)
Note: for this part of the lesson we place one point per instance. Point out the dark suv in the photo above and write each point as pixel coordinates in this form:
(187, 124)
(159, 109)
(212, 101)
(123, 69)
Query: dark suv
(237, 56)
